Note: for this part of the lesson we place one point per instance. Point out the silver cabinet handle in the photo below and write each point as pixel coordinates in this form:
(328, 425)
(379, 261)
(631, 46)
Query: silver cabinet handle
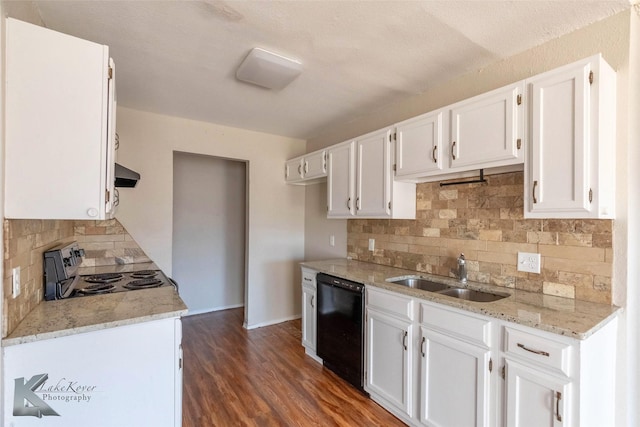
(433, 154)
(404, 340)
(540, 352)
(558, 397)
(300, 170)
(306, 167)
(349, 203)
(312, 297)
(535, 184)
(453, 150)
(358, 203)
(306, 279)
(422, 346)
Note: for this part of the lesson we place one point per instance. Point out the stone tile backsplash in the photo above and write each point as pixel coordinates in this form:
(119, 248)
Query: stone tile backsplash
(25, 240)
(105, 242)
(486, 222)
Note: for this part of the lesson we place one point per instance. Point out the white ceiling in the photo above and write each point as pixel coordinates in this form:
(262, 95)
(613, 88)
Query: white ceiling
(179, 57)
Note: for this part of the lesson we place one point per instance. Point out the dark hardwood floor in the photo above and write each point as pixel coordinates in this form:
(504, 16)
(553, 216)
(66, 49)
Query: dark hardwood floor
(261, 377)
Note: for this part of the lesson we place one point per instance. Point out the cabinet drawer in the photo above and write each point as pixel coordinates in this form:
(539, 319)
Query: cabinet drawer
(309, 277)
(474, 329)
(535, 348)
(391, 303)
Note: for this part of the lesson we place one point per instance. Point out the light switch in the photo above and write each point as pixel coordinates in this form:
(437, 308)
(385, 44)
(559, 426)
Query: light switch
(332, 240)
(372, 244)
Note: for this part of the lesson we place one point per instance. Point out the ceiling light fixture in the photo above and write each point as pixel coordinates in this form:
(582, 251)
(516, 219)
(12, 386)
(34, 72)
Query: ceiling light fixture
(268, 69)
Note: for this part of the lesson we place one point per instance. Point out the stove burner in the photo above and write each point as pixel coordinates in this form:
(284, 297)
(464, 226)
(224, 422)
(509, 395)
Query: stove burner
(100, 288)
(103, 278)
(143, 284)
(144, 274)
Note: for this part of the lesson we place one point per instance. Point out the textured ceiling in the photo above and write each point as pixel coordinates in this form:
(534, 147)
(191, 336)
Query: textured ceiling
(179, 57)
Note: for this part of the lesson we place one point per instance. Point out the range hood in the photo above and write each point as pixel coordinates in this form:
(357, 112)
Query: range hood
(125, 177)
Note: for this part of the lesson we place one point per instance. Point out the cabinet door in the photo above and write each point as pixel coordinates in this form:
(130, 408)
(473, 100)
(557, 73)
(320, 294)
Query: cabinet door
(419, 146)
(535, 398)
(373, 182)
(454, 382)
(559, 161)
(315, 165)
(293, 170)
(486, 131)
(309, 317)
(111, 198)
(149, 374)
(389, 360)
(57, 89)
(341, 180)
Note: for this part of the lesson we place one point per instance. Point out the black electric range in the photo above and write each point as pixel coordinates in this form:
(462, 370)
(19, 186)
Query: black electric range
(61, 265)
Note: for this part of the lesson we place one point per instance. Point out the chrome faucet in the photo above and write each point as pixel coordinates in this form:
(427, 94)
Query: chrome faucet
(462, 269)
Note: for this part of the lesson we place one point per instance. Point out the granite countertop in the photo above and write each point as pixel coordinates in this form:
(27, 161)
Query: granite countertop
(59, 318)
(563, 316)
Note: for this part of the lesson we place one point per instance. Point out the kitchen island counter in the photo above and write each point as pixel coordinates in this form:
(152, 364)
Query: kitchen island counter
(59, 318)
(564, 316)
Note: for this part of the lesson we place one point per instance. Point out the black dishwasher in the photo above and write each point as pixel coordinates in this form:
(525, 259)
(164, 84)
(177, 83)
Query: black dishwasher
(340, 323)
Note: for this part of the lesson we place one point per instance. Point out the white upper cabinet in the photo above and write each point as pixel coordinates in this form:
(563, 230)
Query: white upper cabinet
(308, 169)
(419, 148)
(487, 130)
(59, 138)
(373, 180)
(293, 170)
(341, 164)
(570, 169)
(315, 165)
(360, 180)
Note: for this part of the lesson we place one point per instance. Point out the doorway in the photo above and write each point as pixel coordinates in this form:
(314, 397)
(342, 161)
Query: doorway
(209, 234)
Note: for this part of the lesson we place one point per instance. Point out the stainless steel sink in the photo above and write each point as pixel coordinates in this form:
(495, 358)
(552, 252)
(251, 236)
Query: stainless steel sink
(472, 295)
(418, 283)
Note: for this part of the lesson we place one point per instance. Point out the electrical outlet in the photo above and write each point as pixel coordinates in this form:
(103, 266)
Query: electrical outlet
(15, 290)
(372, 244)
(529, 262)
(332, 240)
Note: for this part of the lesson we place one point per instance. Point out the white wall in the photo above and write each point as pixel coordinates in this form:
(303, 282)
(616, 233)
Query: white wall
(318, 229)
(276, 210)
(209, 231)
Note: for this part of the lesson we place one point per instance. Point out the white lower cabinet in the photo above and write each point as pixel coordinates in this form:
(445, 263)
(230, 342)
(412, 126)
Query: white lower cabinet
(389, 365)
(453, 371)
(128, 375)
(535, 398)
(309, 311)
(552, 380)
(449, 367)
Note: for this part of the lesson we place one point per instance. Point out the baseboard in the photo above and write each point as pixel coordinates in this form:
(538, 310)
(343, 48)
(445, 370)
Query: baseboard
(272, 322)
(211, 310)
